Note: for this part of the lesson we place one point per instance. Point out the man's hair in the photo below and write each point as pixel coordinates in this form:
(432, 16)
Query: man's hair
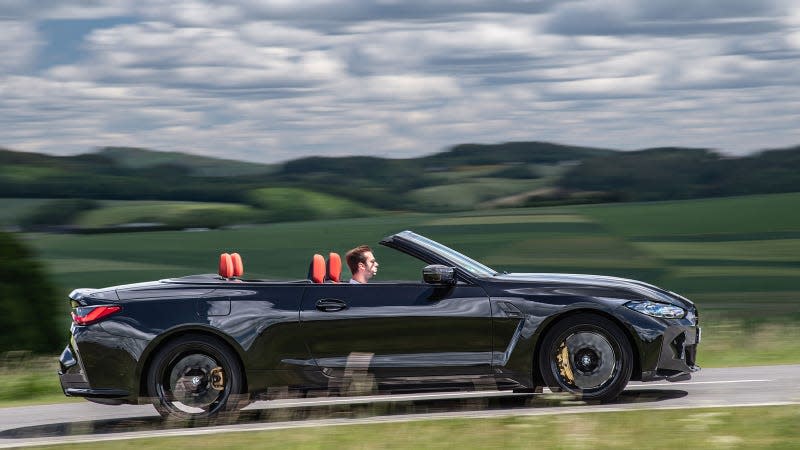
(356, 256)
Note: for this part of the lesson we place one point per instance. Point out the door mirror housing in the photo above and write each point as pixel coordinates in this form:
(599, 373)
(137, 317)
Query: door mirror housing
(439, 274)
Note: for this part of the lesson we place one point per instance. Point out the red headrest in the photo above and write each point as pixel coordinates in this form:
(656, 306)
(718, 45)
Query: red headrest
(334, 267)
(238, 266)
(316, 271)
(225, 266)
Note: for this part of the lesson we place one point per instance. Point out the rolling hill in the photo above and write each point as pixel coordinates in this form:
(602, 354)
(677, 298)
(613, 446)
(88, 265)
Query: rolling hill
(464, 177)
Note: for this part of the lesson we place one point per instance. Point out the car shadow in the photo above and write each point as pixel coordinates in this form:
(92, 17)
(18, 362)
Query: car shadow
(337, 411)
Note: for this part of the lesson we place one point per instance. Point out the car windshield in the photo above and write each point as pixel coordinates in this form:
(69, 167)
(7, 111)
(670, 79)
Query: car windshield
(470, 265)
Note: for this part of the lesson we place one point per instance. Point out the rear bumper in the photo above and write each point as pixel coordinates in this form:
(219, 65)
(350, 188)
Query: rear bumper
(75, 384)
(100, 365)
(97, 393)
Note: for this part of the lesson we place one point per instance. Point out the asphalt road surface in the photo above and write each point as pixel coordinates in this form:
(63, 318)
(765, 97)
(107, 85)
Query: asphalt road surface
(89, 422)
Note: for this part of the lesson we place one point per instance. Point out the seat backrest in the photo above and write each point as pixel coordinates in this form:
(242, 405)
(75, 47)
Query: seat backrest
(225, 266)
(334, 267)
(316, 270)
(238, 265)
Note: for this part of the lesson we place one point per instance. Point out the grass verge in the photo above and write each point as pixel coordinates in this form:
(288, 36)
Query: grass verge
(750, 427)
(26, 380)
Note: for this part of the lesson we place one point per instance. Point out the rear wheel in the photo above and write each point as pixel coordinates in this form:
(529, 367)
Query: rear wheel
(194, 376)
(586, 355)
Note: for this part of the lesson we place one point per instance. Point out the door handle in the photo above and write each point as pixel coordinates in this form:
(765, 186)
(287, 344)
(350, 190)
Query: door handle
(331, 305)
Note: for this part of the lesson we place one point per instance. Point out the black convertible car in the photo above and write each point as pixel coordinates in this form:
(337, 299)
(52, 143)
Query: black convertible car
(199, 345)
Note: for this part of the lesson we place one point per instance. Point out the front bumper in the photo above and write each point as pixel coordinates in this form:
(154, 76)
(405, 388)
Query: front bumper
(667, 348)
(678, 355)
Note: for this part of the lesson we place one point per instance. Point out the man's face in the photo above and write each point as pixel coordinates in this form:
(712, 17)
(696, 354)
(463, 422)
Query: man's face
(371, 266)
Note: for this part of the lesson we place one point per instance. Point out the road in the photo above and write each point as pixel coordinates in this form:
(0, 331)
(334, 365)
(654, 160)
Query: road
(89, 422)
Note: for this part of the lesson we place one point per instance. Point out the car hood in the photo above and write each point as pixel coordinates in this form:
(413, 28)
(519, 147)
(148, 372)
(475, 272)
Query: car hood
(607, 283)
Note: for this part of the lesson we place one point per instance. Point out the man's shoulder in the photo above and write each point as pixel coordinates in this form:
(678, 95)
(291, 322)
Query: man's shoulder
(352, 281)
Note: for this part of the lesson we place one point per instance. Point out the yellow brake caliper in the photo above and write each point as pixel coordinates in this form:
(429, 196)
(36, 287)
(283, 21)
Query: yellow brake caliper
(218, 378)
(563, 364)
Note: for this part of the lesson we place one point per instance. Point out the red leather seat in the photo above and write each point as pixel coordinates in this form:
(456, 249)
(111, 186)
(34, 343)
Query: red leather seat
(225, 266)
(334, 267)
(238, 265)
(316, 270)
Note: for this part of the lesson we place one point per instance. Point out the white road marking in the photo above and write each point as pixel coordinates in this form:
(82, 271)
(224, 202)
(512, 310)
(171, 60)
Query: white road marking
(288, 403)
(695, 382)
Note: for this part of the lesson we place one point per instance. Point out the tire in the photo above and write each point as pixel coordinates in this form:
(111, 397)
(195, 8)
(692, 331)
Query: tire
(194, 376)
(588, 356)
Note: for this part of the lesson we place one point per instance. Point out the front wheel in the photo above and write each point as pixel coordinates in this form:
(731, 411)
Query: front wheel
(194, 376)
(586, 355)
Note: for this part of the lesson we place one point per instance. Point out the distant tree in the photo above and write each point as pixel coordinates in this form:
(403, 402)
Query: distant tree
(654, 174)
(680, 173)
(28, 301)
(518, 171)
(58, 212)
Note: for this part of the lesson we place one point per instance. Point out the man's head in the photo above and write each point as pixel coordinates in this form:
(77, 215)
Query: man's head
(362, 263)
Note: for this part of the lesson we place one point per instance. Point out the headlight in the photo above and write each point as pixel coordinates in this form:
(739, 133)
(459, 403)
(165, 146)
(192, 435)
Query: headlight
(654, 309)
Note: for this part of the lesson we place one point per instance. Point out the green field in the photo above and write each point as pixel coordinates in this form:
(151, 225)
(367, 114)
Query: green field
(289, 204)
(468, 193)
(11, 209)
(726, 253)
(713, 428)
(169, 213)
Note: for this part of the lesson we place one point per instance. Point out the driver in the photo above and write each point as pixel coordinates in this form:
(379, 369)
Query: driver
(362, 264)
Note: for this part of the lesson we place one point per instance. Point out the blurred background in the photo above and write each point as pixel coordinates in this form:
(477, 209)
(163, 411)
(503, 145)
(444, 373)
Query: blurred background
(723, 231)
(141, 139)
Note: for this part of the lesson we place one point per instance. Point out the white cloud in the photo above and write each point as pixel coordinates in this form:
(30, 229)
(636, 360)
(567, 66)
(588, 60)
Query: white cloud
(268, 33)
(606, 87)
(65, 9)
(793, 39)
(18, 44)
(282, 79)
(190, 12)
(163, 54)
(409, 87)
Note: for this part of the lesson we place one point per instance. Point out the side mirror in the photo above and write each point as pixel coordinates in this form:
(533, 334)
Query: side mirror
(439, 274)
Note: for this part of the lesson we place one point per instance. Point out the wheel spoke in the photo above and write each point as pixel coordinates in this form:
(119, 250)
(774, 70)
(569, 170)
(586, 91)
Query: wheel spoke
(586, 355)
(195, 383)
(195, 376)
(592, 359)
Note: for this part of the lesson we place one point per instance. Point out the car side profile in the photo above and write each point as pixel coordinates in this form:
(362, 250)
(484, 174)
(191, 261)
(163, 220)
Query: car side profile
(199, 345)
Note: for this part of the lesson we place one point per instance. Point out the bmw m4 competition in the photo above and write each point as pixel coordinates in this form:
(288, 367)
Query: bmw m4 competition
(199, 345)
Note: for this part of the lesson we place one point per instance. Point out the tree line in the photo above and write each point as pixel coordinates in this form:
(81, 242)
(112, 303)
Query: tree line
(591, 175)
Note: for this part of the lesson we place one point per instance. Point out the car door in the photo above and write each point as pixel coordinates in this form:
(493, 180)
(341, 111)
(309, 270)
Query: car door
(399, 331)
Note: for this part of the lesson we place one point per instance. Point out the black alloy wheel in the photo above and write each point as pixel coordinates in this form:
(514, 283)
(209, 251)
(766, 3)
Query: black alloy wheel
(194, 376)
(588, 356)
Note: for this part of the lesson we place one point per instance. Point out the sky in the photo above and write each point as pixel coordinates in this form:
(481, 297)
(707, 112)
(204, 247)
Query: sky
(274, 80)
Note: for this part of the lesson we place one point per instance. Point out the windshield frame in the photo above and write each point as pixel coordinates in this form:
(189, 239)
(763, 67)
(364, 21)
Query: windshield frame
(470, 266)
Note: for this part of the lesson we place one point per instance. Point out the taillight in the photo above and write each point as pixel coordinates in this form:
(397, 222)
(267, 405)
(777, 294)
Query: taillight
(86, 315)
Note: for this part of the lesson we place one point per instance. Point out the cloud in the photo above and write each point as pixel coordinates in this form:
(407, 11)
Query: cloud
(274, 80)
(18, 44)
(409, 87)
(65, 9)
(205, 58)
(675, 18)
